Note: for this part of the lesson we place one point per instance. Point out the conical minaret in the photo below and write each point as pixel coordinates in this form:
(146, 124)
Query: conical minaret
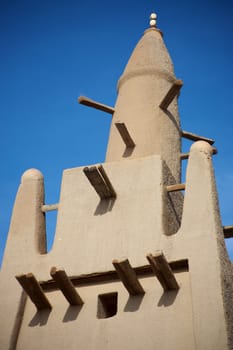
(147, 78)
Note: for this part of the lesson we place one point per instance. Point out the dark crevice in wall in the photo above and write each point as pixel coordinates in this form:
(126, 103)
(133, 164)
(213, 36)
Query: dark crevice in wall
(107, 305)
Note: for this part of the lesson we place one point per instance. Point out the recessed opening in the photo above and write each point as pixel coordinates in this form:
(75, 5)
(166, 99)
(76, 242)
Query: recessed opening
(107, 305)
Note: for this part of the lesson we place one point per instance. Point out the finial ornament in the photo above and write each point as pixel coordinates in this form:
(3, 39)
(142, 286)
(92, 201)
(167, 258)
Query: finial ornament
(153, 18)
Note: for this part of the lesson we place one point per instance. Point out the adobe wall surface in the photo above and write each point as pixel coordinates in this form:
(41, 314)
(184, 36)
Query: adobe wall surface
(155, 320)
(84, 244)
(91, 232)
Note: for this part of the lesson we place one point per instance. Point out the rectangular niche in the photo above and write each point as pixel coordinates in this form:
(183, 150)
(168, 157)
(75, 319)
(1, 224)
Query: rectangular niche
(107, 305)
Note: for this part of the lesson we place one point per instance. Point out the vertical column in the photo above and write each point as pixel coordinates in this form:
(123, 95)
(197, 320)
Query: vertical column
(27, 233)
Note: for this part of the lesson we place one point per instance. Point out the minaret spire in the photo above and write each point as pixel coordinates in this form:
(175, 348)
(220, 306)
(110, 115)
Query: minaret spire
(146, 80)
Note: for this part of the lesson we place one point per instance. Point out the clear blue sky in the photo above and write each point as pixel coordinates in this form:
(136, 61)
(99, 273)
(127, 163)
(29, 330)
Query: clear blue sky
(52, 51)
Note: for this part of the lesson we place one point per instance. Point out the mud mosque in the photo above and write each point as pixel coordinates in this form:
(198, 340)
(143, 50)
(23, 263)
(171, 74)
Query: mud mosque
(139, 258)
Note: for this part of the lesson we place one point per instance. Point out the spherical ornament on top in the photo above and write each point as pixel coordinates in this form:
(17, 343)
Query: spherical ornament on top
(152, 23)
(153, 16)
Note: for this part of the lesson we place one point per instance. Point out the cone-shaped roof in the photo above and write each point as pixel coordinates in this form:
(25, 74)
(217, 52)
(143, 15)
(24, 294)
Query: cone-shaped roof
(146, 80)
(150, 56)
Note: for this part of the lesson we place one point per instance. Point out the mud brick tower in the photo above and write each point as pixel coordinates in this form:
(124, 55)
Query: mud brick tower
(139, 259)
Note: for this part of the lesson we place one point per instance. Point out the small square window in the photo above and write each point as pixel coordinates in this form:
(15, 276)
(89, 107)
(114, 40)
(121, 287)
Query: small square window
(107, 305)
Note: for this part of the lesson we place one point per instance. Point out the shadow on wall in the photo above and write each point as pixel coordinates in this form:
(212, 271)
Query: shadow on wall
(104, 206)
(168, 298)
(172, 118)
(128, 152)
(107, 306)
(72, 313)
(172, 204)
(40, 318)
(133, 303)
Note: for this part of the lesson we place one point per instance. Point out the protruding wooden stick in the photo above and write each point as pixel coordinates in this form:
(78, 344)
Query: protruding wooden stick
(94, 104)
(100, 181)
(228, 231)
(184, 156)
(128, 277)
(33, 289)
(172, 93)
(49, 207)
(163, 271)
(97, 181)
(107, 181)
(194, 137)
(121, 127)
(66, 286)
(175, 188)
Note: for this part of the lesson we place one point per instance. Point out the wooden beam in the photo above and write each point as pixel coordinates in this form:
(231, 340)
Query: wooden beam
(94, 104)
(123, 131)
(100, 181)
(194, 137)
(228, 231)
(107, 181)
(163, 271)
(49, 207)
(33, 289)
(172, 93)
(97, 181)
(111, 275)
(184, 156)
(175, 188)
(66, 286)
(128, 277)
